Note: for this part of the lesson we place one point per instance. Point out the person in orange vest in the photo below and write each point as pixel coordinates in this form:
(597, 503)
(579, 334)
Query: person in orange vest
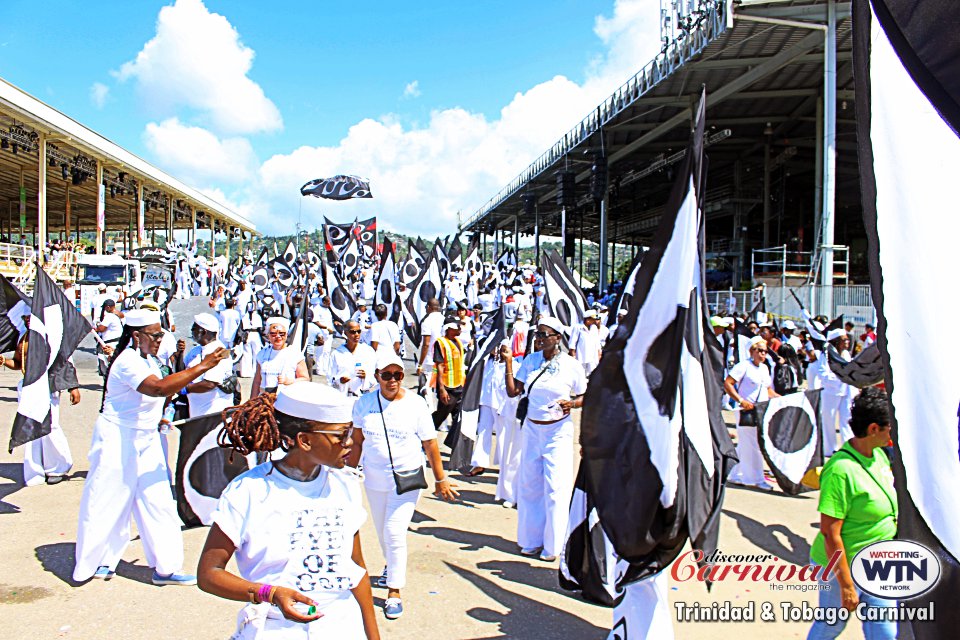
(448, 359)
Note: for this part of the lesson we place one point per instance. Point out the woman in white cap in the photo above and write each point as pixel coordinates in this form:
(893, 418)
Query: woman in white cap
(207, 394)
(278, 364)
(552, 384)
(292, 524)
(128, 474)
(747, 384)
(394, 429)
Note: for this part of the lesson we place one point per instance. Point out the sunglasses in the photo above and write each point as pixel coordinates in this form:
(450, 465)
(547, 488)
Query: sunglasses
(388, 376)
(543, 335)
(153, 336)
(354, 331)
(760, 350)
(278, 334)
(341, 436)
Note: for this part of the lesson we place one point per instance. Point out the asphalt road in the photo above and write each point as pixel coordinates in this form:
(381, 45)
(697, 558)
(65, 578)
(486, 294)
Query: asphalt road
(466, 578)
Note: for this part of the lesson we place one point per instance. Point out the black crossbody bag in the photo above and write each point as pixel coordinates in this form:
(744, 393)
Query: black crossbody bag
(406, 481)
(524, 405)
(749, 418)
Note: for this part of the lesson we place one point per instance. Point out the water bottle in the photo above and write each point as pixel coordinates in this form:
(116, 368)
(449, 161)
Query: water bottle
(168, 415)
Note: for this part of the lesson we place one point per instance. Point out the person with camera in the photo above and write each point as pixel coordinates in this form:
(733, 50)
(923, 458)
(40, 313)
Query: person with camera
(551, 383)
(394, 429)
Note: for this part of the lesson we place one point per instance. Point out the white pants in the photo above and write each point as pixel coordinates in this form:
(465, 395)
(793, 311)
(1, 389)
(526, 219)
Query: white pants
(545, 484)
(750, 468)
(509, 438)
(321, 357)
(248, 361)
(127, 476)
(644, 611)
(49, 455)
(832, 408)
(392, 514)
(486, 425)
(342, 619)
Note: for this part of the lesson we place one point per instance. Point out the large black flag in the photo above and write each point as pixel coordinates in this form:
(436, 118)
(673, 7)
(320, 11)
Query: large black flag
(56, 328)
(338, 188)
(336, 237)
(656, 452)
(565, 298)
(204, 469)
(365, 231)
(386, 293)
(342, 302)
(15, 305)
(907, 79)
(463, 439)
(864, 370)
(789, 435)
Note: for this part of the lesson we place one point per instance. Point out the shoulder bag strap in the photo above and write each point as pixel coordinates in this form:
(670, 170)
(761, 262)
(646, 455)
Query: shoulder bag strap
(893, 506)
(385, 434)
(526, 391)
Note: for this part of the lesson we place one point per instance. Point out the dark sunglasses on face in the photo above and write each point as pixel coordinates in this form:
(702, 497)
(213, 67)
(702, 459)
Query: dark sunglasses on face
(278, 334)
(154, 336)
(543, 335)
(388, 376)
(760, 350)
(354, 331)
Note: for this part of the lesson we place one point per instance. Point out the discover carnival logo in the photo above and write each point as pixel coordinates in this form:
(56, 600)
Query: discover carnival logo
(895, 569)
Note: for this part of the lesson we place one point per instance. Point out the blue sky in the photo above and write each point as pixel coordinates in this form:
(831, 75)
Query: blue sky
(247, 103)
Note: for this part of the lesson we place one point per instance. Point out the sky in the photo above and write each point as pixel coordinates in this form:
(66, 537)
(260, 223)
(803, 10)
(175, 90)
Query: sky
(438, 104)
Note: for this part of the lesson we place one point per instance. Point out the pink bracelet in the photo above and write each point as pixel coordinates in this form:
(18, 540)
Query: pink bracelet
(264, 593)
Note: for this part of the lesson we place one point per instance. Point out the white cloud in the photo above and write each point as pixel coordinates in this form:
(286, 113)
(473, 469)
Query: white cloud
(421, 175)
(196, 60)
(98, 94)
(197, 156)
(412, 90)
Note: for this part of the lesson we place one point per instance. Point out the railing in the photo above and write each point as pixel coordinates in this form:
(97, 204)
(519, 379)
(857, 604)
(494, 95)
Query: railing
(711, 24)
(855, 301)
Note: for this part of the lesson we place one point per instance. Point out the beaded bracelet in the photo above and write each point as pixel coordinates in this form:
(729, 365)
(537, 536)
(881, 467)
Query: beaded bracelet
(265, 592)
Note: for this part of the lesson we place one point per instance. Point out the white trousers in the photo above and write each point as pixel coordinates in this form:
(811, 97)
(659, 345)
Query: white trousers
(750, 468)
(342, 619)
(509, 439)
(644, 611)
(486, 426)
(833, 408)
(49, 455)
(392, 514)
(321, 357)
(248, 360)
(545, 484)
(127, 476)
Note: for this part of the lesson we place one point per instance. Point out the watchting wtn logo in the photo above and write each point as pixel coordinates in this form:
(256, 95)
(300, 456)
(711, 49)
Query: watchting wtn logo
(896, 569)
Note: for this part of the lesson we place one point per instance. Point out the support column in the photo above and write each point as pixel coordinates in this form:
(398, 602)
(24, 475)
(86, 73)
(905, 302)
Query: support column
(516, 236)
(141, 219)
(602, 276)
(226, 252)
(240, 243)
(42, 192)
(193, 225)
(536, 233)
(101, 208)
(213, 238)
(829, 155)
(66, 214)
(766, 193)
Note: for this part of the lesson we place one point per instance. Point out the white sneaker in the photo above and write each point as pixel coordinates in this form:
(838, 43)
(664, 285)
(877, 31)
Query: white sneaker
(506, 504)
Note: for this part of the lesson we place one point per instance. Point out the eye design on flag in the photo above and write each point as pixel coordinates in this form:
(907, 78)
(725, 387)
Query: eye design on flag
(427, 291)
(335, 234)
(386, 292)
(259, 279)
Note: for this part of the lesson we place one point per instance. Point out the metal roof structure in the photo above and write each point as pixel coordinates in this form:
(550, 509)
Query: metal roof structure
(75, 157)
(762, 64)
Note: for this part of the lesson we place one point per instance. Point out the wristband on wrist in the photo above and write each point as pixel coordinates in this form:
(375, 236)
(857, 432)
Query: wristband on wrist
(264, 593)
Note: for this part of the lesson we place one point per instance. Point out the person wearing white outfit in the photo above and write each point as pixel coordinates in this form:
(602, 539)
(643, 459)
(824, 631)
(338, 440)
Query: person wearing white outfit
(837, 396)
(394, 429)
(229, 320)
(128, 475)
(323, 318)
(292, 525)
(553, 383)
(47, 459)
(747, 384)
(205, 395)
(585, 344)
(251, 324)
(352, 363)
(384, 333)
(278, 364)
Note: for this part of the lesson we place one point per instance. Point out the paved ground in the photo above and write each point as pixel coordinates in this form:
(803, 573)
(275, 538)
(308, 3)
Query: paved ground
(466, 579)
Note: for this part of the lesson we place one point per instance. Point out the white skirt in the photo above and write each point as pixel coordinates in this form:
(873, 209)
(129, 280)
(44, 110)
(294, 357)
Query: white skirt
(341, 619)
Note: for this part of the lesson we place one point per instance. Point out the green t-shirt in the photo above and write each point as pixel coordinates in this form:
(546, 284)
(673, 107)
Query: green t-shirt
(869, 512)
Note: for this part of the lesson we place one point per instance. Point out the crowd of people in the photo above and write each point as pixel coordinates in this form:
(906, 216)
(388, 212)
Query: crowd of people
(335, 410)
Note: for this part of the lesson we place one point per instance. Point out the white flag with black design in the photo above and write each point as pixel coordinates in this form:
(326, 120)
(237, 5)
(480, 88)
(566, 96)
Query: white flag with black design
(439, 257)
(565, 298)
(282, 271)
(656, 452)
(472, 263)
(623, 303)
(16, 305)
(789, 436)
(386, 293)
(907, 83)
(342, 302)
(290, 255)
(428, 285)
(349, 260)
(56, 328)
(204, 469)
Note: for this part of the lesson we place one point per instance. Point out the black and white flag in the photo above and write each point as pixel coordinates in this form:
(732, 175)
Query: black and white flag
(282, 271)
(463, 439)
(439, 257)
(349, 260)
(16, 305)
(412, 266)
(656, 452)
(472, 263)
(56, 328)
(204, 469)
(259, 279)
(907, 83)
(428, 285)
(263, 258)
(338, 188)
(789, 435)
(290, 255)
(623, 303)
(565, 298)
(455, 252)
(386, 293)
(342, 302)
(864, 370)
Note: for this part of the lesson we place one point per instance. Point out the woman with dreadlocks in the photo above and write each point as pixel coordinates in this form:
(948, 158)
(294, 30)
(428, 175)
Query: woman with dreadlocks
(128, 472)
(292, 524)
